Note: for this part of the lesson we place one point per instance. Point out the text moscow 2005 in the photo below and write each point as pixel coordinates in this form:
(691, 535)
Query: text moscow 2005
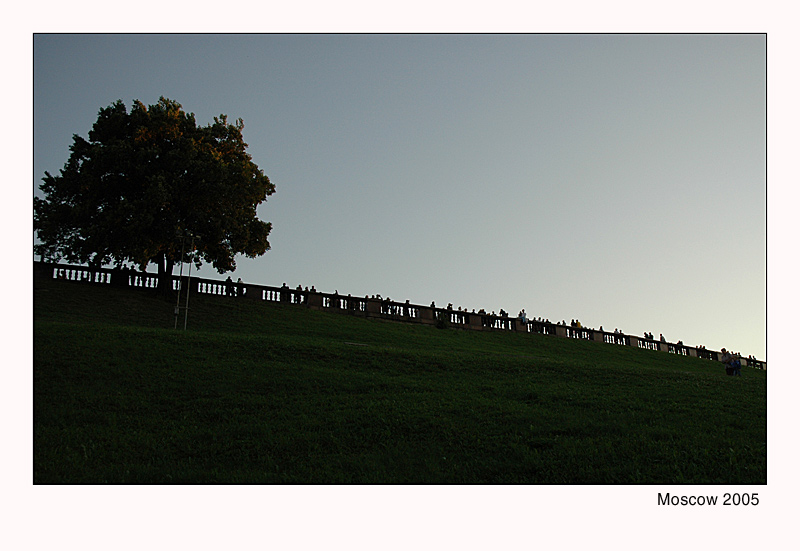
(727, 499)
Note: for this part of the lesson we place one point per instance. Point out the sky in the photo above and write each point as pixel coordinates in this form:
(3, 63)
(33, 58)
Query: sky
(615, 179)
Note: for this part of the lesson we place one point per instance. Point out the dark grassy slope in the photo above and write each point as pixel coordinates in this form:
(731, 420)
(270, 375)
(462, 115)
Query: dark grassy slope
(271, 393)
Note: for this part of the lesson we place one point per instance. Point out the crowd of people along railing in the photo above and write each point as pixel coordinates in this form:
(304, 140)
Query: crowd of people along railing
(375, 307)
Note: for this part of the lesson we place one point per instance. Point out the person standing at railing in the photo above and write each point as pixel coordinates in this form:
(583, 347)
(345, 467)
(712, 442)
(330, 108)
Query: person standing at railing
(733, 365)
(725, 358)
(736, 363)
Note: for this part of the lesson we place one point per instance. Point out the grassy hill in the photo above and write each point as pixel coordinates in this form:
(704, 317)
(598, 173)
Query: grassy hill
(275, 393)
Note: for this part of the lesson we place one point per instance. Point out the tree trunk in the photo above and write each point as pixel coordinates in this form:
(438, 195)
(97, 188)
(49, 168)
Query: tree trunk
(165, 266)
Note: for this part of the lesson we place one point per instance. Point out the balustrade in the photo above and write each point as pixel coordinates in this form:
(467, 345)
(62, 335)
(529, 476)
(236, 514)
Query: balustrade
(579, 333)
(496, 322)
(458, 317)
(541, 328)
(130, 278)
(354, 304)
(619, 338)
(648, 344)
(678, 349)
(410, 311)
(272, 295)
(707, 354)
(143, 280)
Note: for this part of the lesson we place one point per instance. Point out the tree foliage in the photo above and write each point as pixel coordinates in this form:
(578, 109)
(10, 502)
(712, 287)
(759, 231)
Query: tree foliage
(146, 179)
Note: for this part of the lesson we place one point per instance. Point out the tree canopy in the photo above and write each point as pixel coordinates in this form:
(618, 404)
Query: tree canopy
(147, 179)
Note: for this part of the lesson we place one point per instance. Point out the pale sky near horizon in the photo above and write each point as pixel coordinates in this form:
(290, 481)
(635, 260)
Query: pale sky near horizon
(616, 179)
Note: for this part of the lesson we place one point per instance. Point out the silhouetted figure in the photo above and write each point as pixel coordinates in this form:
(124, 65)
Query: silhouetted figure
(229, 287)
(726, 356)
(733, 366)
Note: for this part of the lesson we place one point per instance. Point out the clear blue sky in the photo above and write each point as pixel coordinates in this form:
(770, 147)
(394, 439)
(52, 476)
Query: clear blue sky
(616, 179)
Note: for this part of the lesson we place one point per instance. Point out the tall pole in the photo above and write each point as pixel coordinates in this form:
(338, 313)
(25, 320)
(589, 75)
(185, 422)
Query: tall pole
(180, 283)
(188, 288)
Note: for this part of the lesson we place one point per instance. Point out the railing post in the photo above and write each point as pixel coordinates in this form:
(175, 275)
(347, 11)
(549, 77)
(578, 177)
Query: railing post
(314, 300)
(373, 307)
(254, 292)
(427, 314)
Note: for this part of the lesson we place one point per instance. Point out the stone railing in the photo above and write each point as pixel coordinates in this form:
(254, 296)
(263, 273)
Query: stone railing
(369, 308)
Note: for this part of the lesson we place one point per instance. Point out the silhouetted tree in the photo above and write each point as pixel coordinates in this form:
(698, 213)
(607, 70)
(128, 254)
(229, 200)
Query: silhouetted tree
(144, 183)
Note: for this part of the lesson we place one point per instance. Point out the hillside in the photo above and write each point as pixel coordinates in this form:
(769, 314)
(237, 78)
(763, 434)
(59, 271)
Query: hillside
(275, 393)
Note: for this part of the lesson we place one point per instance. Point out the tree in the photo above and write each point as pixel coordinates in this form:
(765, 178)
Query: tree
(147, 180)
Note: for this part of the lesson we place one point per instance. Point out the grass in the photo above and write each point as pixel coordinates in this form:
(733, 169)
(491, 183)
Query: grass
(279, 394)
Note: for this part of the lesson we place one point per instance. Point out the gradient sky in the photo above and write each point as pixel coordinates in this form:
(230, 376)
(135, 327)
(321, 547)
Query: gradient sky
(616, 179)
